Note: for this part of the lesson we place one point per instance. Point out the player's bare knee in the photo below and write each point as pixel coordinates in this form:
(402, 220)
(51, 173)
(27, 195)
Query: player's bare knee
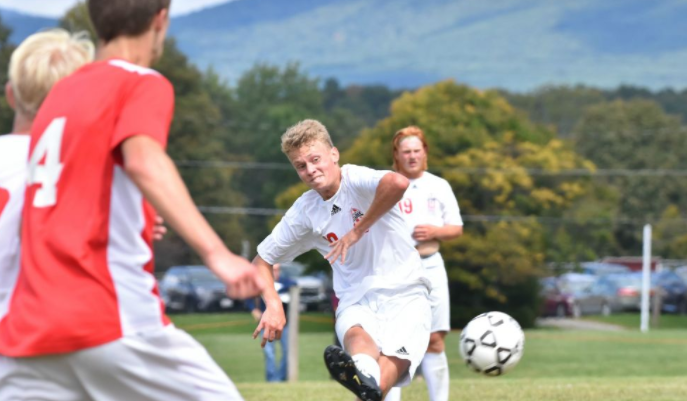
(357, 341)
(436, 342)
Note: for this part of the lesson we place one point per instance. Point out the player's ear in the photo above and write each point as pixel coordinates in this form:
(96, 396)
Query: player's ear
(335, 154)
(161, 20)
(9, 95)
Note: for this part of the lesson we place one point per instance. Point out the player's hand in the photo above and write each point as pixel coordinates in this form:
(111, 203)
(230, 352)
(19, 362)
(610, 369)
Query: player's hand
(159, 229)
(240, 276)
(271, 324)
(340, 247)
(424, 232)
(257, 314)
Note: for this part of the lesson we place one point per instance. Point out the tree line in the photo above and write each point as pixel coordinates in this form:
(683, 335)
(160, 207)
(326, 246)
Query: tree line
(544, 179)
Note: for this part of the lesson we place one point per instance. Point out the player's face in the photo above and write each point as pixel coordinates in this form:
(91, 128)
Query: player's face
(410, 157)
(317, 165)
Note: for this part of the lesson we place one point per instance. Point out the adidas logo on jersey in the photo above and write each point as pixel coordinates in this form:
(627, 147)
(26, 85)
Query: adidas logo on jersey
(335, 210)
(402, 351)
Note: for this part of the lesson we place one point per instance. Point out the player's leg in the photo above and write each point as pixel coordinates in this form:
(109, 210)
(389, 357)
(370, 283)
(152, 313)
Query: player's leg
(393, 395)
(435, 368)
(356, 367)
(39, 378)
(392, 369)
(404, 337)
(435, 364)
(166, 364)
(271, 373)
(283, 364)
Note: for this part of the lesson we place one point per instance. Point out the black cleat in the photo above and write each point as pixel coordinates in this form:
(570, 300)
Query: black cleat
(343, 369)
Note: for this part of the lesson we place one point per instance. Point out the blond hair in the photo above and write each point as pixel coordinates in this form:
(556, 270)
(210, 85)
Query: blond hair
(305, 133)
(41, 60)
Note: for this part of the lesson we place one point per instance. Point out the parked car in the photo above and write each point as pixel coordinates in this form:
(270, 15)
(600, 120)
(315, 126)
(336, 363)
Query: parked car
(591, 295)
(576, 294)
(682, 272)
(193, 289)
(673, 291)
(313, 288)
(556, 301)
(603, 268)
(671, 287)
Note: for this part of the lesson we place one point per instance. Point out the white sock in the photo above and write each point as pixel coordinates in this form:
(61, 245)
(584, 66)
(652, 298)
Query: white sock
(394, 394)
(435, 371)
(367, 365)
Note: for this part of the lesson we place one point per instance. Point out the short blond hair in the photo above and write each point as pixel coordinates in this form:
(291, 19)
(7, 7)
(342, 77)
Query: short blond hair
(41, 60)
(305, 133)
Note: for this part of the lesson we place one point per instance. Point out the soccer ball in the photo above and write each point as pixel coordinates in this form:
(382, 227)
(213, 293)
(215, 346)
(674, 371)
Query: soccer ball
(492, 343)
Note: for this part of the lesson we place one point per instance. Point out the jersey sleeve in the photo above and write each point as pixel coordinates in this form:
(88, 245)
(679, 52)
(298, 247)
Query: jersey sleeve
(364, 180)
(288, 240)
(146, 110)
(449, 205)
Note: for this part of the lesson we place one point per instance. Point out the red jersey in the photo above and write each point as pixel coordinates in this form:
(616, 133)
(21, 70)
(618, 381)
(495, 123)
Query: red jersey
(86, 275)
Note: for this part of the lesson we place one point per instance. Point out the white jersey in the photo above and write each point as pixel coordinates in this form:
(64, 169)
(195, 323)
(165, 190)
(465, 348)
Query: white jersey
(385, 256)
(14, 153)
(430, 200)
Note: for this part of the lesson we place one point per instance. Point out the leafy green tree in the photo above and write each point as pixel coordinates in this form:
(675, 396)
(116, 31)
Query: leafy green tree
(636, 135)
(559, 107)
(76, 19)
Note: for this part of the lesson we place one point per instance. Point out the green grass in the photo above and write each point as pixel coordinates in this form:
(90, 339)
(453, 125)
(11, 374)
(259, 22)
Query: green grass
(631, 321)
(558, 365)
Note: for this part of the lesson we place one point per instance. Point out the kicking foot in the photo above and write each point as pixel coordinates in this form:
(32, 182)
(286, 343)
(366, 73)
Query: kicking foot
(343, 369)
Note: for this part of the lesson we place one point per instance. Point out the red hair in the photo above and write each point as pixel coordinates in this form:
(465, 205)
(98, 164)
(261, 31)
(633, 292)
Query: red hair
(406, 133)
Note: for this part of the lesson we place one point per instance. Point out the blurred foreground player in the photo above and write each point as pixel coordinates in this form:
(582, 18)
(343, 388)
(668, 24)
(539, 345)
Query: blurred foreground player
(350, 216)
(85, 321)
(36, 65)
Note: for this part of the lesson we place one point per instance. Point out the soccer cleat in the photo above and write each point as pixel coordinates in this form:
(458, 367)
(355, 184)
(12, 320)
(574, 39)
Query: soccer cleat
(343, 369)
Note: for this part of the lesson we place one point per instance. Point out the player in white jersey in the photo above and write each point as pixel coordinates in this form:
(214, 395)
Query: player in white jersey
(350, 217)
(431, 212)
(35, 66)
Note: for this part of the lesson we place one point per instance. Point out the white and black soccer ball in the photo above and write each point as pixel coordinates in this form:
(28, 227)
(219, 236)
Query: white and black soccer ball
(492, 343)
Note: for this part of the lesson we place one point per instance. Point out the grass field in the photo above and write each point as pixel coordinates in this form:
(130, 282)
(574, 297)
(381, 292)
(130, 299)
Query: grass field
(558, 365)
(631, 321)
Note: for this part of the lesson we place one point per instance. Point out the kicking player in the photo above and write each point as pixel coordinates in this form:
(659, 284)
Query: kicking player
(431, 212)
(351, 217)
(85, 320)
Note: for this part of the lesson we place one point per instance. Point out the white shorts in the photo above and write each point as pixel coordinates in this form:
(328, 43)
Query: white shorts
(398, 322)
(166, 364)
(439, 297)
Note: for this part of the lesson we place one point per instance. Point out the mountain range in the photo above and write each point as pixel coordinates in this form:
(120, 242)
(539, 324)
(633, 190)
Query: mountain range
(517, 45)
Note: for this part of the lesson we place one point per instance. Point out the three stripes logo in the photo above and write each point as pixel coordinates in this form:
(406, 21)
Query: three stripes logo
(402, 351)
(335, 210)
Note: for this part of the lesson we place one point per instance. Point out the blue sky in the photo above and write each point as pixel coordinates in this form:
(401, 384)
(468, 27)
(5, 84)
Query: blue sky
(57, 8)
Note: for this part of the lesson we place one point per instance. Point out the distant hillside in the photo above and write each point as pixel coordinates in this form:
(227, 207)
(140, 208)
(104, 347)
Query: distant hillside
(24, 25)
(513, 44)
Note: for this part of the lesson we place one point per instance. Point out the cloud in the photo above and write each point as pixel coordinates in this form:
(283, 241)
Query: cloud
(57, 8)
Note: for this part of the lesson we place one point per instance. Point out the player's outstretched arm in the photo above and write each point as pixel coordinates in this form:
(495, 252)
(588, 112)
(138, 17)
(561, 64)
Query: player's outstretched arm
(390, 191)
(154, 173)
(273, 319)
